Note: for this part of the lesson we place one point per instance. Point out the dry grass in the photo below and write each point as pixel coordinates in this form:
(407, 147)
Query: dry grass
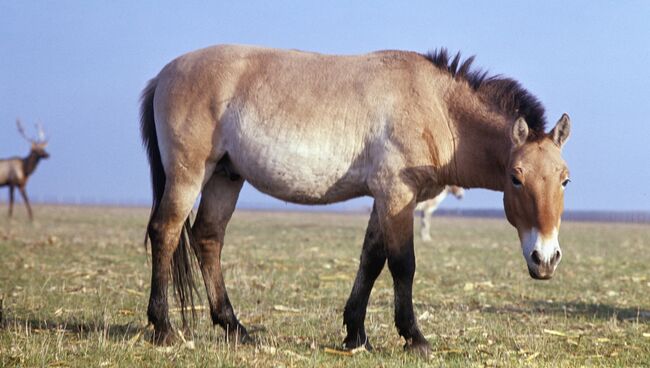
(75, 285)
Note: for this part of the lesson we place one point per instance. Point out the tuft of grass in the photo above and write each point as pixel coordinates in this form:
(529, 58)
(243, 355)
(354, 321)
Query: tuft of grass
(74, 287)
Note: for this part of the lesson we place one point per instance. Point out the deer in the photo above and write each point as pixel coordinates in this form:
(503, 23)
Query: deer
(16, 171)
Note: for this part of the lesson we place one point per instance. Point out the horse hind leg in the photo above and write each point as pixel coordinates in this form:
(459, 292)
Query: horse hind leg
(217, 205)
(165, 231)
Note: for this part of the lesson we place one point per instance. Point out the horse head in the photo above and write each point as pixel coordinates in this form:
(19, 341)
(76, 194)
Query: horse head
(534, 193)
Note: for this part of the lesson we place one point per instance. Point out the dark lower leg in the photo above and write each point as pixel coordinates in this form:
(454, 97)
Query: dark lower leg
(402, 268)
(221, 309)
(164, 232)
(223, 314)
(217, 206)
(373, 257)
(29, 208)
(158, 310)
(11, 201)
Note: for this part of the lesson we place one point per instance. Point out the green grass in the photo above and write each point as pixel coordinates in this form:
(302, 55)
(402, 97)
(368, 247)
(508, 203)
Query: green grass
(75, 287)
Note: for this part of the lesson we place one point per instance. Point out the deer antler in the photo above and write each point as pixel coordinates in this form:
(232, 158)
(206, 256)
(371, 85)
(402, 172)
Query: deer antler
(21, 130)
(41, 133)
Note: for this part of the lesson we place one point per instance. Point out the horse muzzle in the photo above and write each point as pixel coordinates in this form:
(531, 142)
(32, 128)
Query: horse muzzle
(542, 254)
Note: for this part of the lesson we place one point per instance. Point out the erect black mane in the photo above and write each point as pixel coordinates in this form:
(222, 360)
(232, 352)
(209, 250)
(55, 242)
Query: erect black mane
(505, 93)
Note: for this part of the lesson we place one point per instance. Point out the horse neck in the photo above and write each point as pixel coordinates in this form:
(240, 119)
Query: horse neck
(30, 162)
(482, 146)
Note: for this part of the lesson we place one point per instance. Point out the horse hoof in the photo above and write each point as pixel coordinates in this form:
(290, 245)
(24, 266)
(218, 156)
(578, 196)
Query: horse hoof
(355, 343)
(421, 348)
(164, 337)
(240, 337)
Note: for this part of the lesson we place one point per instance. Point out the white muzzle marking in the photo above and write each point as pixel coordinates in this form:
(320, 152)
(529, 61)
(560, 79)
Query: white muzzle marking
(546, 247)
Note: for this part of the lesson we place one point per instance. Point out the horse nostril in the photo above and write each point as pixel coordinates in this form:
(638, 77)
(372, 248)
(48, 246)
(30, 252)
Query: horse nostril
(535, 257)
(556, 257)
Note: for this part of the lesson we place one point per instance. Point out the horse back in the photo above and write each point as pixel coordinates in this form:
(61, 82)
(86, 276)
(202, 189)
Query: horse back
(316, 124)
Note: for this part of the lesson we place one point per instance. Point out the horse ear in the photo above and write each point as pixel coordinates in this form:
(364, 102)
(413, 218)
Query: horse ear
(519, 133)
(561, 132)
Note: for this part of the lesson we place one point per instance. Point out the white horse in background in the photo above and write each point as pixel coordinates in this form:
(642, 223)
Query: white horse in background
(428, 207)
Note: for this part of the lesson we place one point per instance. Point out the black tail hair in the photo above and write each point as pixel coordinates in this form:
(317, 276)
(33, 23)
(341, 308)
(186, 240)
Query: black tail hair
(182, 262)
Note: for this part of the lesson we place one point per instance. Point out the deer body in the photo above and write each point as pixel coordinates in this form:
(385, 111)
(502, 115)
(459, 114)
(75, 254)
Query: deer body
(11, 171)
(15, 171)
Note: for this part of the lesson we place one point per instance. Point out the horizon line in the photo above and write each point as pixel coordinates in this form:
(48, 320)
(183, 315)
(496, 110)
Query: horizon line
(618, 216)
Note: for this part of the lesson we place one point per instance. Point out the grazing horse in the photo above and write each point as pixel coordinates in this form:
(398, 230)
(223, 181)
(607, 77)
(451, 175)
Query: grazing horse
(429, 206)
(314, 129)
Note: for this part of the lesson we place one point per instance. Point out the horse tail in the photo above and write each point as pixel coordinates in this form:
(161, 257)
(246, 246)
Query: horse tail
(182, 265)
(150, 143)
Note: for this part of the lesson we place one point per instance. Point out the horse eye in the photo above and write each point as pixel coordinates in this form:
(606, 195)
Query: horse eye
(564, 183)
(516, 182)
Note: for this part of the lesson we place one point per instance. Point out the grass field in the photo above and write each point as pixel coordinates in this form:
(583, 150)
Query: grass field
(75, 287)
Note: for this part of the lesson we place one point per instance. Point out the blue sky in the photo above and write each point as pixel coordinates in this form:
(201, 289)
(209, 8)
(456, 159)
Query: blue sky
(79, 67)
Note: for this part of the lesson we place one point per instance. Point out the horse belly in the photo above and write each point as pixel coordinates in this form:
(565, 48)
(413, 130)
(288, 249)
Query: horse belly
(305, 171)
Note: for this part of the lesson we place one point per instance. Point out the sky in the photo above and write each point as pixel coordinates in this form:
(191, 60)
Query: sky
(79, 68)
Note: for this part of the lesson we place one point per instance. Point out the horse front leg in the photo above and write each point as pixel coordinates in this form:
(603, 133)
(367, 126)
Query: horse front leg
(395, 212)
(373, 258)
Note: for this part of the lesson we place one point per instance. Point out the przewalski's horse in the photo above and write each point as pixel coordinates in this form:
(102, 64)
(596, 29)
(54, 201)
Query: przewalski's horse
(15, 171)
(314, 129)
(429, 206)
